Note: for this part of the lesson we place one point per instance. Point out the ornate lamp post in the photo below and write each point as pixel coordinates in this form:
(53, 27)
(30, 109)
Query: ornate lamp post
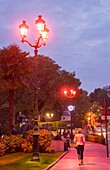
(105, 116)
(43, 36)
(70, 93)
(49, 116)
(89, 118)
(71, 108)
(106, 113)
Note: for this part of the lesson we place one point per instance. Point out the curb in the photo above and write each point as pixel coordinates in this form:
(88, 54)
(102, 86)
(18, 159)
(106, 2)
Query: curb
(50, 166)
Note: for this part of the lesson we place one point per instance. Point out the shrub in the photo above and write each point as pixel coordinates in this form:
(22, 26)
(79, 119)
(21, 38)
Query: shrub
(16, 143)
(2, 149)
(26, 146)
(45, 139)
(95, 138)
(12, 143)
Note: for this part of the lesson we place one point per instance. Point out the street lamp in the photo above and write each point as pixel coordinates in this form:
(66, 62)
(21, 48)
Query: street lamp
(105, 111)
(49, 116)
(71, 108)
(69, 92)
(104, 116)
(42, 39)
(89, 118)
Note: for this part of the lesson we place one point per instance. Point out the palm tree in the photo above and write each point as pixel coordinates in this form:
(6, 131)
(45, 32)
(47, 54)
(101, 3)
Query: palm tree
(15, 67)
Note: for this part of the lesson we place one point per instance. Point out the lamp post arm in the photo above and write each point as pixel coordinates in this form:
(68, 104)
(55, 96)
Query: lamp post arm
(37, 43)
(32, 45)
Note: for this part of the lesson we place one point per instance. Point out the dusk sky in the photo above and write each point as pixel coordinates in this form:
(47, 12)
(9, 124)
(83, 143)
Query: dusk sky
(79, 34)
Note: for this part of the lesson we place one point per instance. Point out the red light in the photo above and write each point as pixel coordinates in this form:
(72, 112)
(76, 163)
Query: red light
(65, 92)
(70, 93)
(73, 92)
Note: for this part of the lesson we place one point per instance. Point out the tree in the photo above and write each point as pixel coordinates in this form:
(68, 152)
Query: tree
(98, 96)
(97, 100)
(15, 67)
(82, 106)
(51, 79)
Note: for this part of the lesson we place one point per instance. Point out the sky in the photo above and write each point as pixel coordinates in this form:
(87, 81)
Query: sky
(79, 35)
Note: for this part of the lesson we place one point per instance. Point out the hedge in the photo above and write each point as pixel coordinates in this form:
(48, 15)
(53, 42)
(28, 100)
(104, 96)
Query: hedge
(95, 138)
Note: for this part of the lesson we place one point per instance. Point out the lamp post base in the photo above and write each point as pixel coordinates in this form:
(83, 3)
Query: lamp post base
(35, 159)
(36, 142)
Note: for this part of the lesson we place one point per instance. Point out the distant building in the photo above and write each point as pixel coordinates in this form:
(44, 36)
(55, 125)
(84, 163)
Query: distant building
(66, 116)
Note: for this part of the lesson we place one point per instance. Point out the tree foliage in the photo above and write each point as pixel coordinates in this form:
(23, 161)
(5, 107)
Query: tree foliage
(98, 96)
(82, 107)
(99, 99)
(17, 71)
(15, 67)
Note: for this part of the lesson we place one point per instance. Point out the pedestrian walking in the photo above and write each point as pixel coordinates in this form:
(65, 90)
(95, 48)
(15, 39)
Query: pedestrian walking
(68, 138)
(79, 141)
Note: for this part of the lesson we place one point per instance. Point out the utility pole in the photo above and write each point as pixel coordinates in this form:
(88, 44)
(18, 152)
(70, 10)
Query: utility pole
(105, 112)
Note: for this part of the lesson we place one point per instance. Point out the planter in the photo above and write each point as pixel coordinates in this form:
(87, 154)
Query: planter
(58, 145)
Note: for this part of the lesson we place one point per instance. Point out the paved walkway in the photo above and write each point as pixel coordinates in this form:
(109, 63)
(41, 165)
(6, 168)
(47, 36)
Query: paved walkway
(95, 158)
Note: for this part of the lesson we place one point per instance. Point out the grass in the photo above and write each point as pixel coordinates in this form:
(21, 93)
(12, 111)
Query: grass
(22, 161)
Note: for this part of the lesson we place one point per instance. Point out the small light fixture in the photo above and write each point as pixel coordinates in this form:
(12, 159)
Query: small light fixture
(45, 34)
(40, 24)
(51, 114)
(71, 108)
(72, 92)
(23, 30)
(47, 114)
(65, 92)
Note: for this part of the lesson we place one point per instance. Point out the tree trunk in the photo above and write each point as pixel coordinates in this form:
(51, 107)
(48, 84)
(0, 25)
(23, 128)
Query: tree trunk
(11, 95)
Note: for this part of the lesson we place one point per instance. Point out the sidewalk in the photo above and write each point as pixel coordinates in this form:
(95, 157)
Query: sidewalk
(94, 159)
